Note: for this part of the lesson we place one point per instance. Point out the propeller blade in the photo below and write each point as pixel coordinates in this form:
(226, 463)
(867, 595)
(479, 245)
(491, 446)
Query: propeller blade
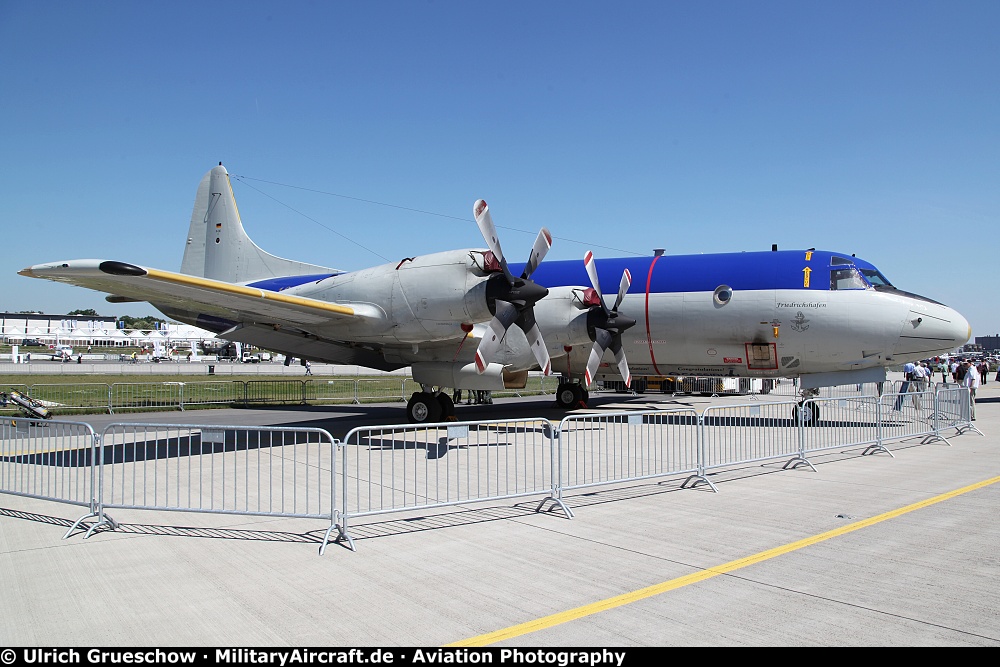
(527, 324)
(602, 339)
(514, 301)
(616, 347)
(481, 211)
(588, 262)
(623, 288)
(505, 315)
(538, 252)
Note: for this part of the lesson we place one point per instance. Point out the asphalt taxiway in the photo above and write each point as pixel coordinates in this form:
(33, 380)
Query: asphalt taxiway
(863, 551)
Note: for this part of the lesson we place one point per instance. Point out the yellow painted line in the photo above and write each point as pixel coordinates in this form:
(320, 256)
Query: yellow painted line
(643, 593)
(218, 286)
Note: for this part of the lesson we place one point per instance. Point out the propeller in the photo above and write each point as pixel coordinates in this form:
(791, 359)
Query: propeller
(606, 324)
(511, 299)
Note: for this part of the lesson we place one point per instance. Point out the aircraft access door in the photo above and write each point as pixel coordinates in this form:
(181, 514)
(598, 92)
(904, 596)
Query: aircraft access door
(762, 356)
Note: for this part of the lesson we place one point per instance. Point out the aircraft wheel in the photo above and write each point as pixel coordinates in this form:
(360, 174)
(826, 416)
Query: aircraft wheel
(423, 408)
(447, 406)
(639, 386)
(805, 413)
(569, 395)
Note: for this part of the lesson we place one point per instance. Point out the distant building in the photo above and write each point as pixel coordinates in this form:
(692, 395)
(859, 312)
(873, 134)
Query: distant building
(79, 330)
(988, 343)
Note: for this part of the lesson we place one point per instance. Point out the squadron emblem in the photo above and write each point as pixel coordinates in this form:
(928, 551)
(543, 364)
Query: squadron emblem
(799, 322)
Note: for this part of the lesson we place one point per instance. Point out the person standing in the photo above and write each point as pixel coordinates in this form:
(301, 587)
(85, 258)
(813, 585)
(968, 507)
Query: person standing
(905, 387)
(971, 380)
(309, 368)
(919, 384)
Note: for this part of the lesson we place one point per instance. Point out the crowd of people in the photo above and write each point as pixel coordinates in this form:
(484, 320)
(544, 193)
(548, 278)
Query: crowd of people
(964, 372)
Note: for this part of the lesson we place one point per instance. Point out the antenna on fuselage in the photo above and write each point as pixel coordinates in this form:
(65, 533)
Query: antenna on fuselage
(774, 247)
(658, 252)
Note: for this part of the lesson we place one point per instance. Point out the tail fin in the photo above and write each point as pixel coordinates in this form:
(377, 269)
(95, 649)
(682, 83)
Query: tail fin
(218, 247)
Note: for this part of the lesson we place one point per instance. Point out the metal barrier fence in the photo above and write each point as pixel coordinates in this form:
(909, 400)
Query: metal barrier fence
(368, 390)
(952, 408)
(614, 447)
(48, 460)
(839, 422)
(335, 390)
(144, 395)
(406, 467)
(218, 392)
(292, 472)
(177, 395)
(274, 391)
(907, 414)
(284, 472)
(747, 433)
(94, 396)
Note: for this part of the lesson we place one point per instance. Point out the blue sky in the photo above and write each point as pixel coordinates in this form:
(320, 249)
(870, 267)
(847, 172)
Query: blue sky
(362, 132)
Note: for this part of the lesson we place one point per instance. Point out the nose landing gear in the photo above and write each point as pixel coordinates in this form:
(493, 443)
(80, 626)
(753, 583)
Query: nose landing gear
(806, 412)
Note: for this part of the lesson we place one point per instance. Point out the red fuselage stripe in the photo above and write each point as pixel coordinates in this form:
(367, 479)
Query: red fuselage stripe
(649, 337)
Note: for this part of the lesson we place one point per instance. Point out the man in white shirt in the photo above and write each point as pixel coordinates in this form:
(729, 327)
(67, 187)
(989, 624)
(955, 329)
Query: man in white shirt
(919, 383)
(971, 380)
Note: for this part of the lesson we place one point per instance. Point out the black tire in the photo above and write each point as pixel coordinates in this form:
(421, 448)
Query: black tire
(423, 408)
(806, 414)
(447, 406)
(569, 395)
(639, 386)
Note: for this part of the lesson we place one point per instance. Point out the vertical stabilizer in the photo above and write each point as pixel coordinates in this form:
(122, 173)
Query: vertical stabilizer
(217, 245)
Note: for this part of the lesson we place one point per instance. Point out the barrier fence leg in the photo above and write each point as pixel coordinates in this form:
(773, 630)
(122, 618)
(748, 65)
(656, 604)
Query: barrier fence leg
(700, 477)
(96, 491)
(555, 468)
(879, 433)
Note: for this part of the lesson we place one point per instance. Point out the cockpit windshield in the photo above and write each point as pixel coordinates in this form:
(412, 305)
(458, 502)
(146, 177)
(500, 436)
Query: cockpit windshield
(874, 277)
(852, 277)
(847, 278)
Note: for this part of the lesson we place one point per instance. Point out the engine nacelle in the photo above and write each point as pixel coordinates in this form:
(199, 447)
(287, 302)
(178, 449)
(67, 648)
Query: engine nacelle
(425, 298)
(562, 319)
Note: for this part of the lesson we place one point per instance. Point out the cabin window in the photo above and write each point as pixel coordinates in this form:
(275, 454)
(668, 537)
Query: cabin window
(847, 279)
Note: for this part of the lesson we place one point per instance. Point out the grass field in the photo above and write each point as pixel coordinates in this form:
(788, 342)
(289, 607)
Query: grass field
(69, 394)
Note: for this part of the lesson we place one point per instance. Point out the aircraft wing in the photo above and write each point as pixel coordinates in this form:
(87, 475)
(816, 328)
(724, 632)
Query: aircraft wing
(183, 292)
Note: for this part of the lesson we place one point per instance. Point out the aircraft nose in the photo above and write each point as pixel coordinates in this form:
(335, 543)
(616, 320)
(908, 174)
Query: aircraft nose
(931, 329)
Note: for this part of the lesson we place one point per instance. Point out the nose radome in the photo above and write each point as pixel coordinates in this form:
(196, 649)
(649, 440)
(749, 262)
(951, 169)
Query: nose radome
(932, 329)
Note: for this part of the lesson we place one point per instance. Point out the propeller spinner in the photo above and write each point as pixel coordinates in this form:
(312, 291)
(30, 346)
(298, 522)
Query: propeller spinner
(511, 299)
(606, 324)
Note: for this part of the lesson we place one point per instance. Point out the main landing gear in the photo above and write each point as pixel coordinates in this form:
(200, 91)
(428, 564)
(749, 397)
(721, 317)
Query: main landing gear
(428, 407)
(571, 395)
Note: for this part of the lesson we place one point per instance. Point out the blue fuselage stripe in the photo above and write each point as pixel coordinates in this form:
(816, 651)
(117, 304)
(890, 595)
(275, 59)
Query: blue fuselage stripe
(284, 282)
(700, 273)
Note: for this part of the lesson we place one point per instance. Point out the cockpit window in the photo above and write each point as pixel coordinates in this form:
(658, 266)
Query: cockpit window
(849, 278)
(840, 260)
(875, 278)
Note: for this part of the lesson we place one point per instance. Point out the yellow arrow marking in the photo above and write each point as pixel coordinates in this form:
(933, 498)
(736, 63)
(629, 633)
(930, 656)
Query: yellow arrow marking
(805, 279)
(809, 255)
